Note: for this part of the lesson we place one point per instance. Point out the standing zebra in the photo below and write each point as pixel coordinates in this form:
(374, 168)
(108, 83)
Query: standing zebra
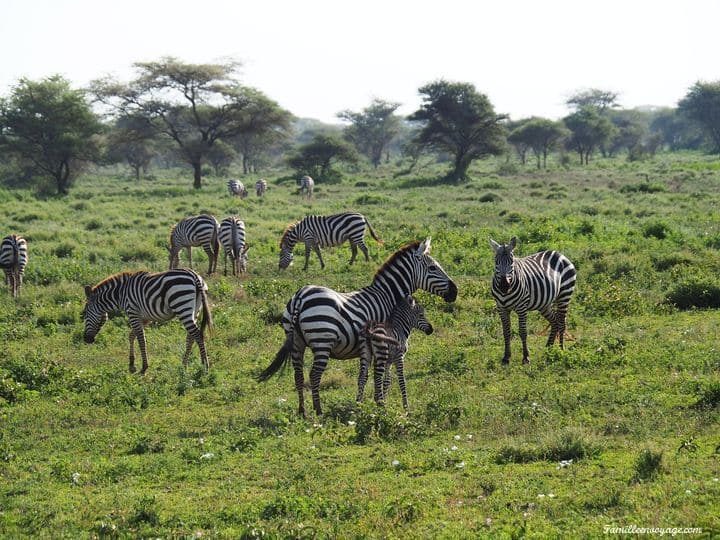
(195, 231)
(13, 259)
(387, 343)
(325, 231)
(260, 187)
(331, 322)
(307, 184)
(232, 238)
(149, 297)
(236, 187)
(543, 281)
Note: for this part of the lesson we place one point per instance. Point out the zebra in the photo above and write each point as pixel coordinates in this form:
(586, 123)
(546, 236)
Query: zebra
(236, 187)
(325, 231)
(307, 184)
(543, 281)
(232, 238)
(260, 187)
(147, 297)
(195, 231)
(388, 342)
(330, 322)
(13, 259)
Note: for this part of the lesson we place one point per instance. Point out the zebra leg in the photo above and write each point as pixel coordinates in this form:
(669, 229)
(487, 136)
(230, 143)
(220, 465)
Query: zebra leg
(353, 250)
(131, 367)
(308, 248)
(189, 252)
(400, 368)
(552, 318)
(317, 251)
(211, 257)
(505, 320)
(560, 321)
(194, 334)
(318, 367)
(362, 378)
(225, 262)
(138, 326)
(386, 381)
(364, 249)
(522, 322)
(379, 368)
(297, 354)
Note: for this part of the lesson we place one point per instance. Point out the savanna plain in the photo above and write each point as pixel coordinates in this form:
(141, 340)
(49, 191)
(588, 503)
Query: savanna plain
(619, 429)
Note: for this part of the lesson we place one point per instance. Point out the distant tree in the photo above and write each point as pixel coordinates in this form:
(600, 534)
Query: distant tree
(131, 140)
(631, 127)
(195, 105)
(221, 155)
(459, 120)
(541, 135)
(589, 130)
(676, 130)
(317, 157)
(702, 105)
(50, 128)
(372, 129)
(601, 100)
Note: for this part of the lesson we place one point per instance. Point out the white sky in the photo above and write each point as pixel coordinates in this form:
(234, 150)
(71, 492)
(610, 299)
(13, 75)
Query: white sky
(318, 57)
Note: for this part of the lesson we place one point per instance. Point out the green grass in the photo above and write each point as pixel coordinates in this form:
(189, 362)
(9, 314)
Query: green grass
(620, 428)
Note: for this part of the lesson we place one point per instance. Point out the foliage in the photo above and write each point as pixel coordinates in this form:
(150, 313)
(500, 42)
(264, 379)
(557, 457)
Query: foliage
(318, 157)
(589, 130)
(702, 105)
(372, 129)
(647, 465)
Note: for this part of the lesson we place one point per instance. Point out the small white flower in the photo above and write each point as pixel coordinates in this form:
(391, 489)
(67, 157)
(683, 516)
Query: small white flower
(460, 465)
(716, 479)
(317, 426)
(551, 495)
(351, 422)
(688, 492)
(76, 478)
(541, 496)
(456, 437)
(469, 436)
(201, 440)
(307, 430)
(282, 400)
(453, 448)
(208, 455)
(395, 463)
(534, 404)
(488, 521)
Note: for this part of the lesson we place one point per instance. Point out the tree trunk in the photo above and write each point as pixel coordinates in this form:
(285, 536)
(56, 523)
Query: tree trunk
(197, 175)
(137, 172)
(459, 173)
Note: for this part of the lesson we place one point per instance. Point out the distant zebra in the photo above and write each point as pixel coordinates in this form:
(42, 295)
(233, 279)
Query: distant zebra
(260, 187)
(195, 231)
(13, 259)
(147, 297)
(544, 282)
(325, 231)
(232, 239)
(236, 187)
(307, 184)
(388, 343)
(330, 322)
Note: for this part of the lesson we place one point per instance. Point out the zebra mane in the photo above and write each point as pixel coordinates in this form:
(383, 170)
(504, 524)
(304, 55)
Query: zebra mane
(287, 231)
(398, 254)
(114, 277)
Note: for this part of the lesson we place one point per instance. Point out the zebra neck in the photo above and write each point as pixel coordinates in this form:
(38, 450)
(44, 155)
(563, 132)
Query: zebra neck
(111, 293)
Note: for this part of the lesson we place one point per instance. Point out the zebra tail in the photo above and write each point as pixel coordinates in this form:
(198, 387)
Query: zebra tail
(207, 321)
(280, 360)
(372, 233)
(235, 246)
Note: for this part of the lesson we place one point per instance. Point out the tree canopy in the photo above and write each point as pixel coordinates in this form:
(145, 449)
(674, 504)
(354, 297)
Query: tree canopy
(589, 130)
(541, 135)
(459, 120)
(372, 129)
(702, 105)
(317, 157)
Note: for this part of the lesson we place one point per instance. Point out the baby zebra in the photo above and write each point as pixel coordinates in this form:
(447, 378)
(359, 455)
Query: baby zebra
(543, 281)
(236, 187)
(232, 238)
(13, 259)
(388, 343)
(195, 231)
(260, 187)
(150, 297)
(307, 184)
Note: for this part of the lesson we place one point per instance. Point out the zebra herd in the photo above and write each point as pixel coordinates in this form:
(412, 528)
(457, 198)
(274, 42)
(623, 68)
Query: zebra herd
(372, 323)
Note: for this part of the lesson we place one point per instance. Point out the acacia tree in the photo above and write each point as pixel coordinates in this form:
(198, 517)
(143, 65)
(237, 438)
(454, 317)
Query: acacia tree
(131, 140)
(459, 120)
(589, 130)
(598, 99)
(50, 128)
(195, 105)
(541, 135)
(702, 105)
(317, 157)
(372, 129)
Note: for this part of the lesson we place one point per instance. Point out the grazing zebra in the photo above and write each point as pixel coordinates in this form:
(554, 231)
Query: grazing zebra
(195, 231)
(543, 281)
(232, 239)
(147, 297)
(260, 187)
(387, 342)
(331, 322)
(13, 259)
(325, 231)
(236, 187)
(307, 184)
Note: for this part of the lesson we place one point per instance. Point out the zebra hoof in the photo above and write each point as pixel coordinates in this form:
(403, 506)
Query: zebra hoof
(505, 361)
(526, 360)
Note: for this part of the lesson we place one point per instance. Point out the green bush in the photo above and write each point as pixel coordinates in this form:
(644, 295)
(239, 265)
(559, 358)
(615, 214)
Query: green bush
(659, 230)
(490, 197)
(647, 465)
(695, 292)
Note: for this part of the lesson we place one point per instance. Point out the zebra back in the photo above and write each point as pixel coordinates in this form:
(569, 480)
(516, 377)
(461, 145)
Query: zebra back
(260, 187)
(13, 252)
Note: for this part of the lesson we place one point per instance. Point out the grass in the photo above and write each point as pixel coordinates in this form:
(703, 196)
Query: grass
(619, 428)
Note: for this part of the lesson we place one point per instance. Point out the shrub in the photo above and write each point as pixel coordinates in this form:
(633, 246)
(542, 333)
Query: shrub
(695, 292)
(708, 395)
(657, 230)
(647, 466)
(490, 197)
(372, 199)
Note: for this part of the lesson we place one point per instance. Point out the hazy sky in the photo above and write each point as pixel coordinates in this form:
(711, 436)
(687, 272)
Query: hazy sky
(318, 57)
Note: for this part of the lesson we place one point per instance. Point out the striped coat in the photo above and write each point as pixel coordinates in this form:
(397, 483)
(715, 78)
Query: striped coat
(232, 238)
(13, 260)
(237, 188)
(307, 185)
(150, 297)
(260, 187)
(541, 282)
(325, 231)
(191, 232)
(331, 322)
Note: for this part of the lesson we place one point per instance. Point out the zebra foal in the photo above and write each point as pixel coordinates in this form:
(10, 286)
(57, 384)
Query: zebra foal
(541, 282)
(232, 238)
(150, 297)
(260, 187)
(236, 187)
(13, 259)
(191, 232)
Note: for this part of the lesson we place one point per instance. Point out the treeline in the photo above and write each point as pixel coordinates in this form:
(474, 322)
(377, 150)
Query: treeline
(201, 116)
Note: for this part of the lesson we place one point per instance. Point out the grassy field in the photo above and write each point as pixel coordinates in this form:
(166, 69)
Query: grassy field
(620, 429)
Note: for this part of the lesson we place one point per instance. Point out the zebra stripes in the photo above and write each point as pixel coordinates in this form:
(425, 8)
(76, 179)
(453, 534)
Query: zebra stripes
(236, 187)
(260, 187)
(232, 238)
(544, 282)
(147, 297)
(307, 184)
(13, 259)
(387, 343)
(330, 322)
(325, 231)
(191, 232)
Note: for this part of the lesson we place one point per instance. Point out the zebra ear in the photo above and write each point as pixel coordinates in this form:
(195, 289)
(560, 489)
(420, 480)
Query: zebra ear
(246, 248)
(88, 292)
(494, 245)
(424, 248)
(513, 242)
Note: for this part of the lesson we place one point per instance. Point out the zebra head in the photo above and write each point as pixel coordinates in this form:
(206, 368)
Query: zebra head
(287, 244)
(243, 260)
(416, 315)
(93, 315)
(504, 264)
(430, 276)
